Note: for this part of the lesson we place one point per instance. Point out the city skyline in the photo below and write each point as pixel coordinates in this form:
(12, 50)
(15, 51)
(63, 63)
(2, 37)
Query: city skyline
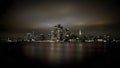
(60, 34)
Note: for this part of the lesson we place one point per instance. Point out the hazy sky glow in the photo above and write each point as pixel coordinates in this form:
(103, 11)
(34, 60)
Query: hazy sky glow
(44, 14)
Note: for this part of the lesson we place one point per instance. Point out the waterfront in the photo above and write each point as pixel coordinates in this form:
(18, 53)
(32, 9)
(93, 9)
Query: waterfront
(60, 54)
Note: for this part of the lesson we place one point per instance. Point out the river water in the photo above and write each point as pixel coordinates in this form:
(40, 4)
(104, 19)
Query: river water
(60, 55)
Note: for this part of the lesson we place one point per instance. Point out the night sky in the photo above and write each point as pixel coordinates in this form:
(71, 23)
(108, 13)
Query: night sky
(90, 16)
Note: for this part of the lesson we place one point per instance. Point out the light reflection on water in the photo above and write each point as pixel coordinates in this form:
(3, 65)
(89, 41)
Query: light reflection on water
(56, 53)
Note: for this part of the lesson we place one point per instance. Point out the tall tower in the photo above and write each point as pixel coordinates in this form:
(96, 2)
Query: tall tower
(58, 33)
(80, 33)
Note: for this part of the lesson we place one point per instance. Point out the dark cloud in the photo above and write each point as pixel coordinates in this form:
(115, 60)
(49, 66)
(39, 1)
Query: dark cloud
(24, 15)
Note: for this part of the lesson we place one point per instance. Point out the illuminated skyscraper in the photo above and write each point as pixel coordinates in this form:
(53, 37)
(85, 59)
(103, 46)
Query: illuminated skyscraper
(80, 33)
(57, 32)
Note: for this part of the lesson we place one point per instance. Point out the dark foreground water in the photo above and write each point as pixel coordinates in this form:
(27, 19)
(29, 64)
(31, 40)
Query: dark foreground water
(60, 55)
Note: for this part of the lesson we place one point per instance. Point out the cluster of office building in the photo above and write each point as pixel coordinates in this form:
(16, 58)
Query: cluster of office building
(63, 34)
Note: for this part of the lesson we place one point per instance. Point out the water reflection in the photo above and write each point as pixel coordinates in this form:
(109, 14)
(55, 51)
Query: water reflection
(57, 53)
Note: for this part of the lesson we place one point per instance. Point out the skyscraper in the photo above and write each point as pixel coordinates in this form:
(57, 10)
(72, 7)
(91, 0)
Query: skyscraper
(80, 33)
(57, 32)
